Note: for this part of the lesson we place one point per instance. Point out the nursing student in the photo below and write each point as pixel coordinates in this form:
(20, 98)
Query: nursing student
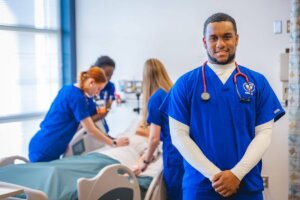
(156, 84)
(108, 92)
(221, 118)
(72, 106)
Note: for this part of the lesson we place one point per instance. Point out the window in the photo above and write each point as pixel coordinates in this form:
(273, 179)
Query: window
(29, 56)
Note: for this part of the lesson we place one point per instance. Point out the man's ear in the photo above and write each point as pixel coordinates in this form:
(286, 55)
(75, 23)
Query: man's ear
(237, 39)
(204, 42)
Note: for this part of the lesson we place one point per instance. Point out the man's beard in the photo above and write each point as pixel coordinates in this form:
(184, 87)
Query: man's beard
(215, 61)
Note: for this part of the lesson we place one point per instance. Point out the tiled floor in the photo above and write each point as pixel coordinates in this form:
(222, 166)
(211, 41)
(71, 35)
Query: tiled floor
(15, 136)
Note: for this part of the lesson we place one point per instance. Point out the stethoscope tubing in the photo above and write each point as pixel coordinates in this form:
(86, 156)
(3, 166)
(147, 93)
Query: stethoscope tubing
(206, 96)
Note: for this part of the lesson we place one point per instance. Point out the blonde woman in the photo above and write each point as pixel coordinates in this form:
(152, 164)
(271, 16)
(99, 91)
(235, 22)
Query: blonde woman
(72, 106)
(156, 84)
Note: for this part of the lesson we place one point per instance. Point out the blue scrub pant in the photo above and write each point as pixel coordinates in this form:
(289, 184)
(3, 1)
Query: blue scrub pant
(194, 194)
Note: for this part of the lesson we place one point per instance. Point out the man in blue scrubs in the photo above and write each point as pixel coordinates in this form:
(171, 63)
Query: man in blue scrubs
(108, 92)
(221, 116)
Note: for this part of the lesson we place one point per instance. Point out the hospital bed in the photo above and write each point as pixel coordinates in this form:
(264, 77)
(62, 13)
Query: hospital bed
(82, 142)
(114, 181)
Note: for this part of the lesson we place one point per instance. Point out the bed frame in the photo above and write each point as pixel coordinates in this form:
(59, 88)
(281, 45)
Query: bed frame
(82, 142)
(116, 181)
(31, 194)
(111, 182)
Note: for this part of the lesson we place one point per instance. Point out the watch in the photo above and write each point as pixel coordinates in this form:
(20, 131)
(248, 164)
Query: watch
(114, 143)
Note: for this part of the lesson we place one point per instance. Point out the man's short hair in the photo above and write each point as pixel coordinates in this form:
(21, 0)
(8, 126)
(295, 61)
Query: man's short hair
(219, 17)
(105, 61)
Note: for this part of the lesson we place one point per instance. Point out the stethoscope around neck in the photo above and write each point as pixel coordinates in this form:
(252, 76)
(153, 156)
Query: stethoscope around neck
(205, 96)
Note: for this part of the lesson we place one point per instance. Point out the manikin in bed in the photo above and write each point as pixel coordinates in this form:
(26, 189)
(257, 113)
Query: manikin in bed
(58, 179)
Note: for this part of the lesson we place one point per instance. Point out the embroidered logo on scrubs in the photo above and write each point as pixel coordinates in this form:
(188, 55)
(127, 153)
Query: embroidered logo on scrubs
(249, 88)
(276, 111)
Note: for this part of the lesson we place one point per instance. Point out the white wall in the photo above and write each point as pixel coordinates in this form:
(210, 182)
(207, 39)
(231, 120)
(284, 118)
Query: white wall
(275, 162)
(132, 31)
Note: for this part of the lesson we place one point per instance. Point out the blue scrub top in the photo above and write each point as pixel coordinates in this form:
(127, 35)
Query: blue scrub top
(161, 119)
(107, 92)
(222, 127)
(60, 124)
(172, 159)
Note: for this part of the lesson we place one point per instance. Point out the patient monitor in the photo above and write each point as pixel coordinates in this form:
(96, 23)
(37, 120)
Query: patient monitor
(132, 87)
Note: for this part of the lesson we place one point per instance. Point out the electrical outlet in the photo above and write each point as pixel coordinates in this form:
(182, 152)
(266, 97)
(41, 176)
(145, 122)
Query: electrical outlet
(265, 181)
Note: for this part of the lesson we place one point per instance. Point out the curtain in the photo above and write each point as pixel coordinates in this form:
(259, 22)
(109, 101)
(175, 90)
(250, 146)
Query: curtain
(294, 103)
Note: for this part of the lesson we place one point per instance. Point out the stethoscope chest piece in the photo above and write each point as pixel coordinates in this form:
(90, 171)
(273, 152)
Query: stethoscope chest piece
(205, 96)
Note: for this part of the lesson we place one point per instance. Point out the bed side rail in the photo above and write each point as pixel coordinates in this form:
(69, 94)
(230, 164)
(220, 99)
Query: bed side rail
(11, 160)
(31, 194)
(115, 180)
(157, 188)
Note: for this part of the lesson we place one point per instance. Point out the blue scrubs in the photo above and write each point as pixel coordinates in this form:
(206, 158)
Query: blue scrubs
(222, 127)
(172, 159)
(60, 124)
(107, 92)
